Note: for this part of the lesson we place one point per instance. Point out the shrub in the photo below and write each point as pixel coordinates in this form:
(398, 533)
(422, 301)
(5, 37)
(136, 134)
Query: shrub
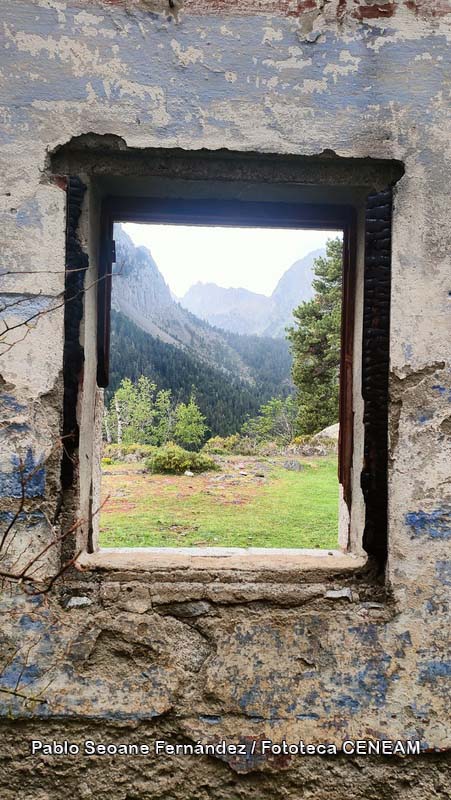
(174, 459)
(246, 446)
(119, 452)
(327, 442)
(107, 461)
(306, 439)
(268, 448)
(220, 445)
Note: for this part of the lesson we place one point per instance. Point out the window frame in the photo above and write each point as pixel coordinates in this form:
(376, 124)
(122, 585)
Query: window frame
(251, 214)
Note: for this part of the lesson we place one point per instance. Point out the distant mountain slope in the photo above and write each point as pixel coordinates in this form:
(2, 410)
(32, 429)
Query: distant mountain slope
(225, 400)
(293, 288)
(243, 311)
(236, 310)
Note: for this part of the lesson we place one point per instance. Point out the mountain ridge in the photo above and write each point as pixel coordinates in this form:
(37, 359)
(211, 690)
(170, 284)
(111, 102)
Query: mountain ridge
(246, 312)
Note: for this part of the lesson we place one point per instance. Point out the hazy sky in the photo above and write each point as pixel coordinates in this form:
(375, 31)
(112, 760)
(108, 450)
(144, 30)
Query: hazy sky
(253, 258)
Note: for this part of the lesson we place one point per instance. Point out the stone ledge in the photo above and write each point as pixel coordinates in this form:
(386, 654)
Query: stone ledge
(267, 562)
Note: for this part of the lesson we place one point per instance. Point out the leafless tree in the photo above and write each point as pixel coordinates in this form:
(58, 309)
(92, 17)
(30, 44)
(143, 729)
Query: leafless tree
(22, 565)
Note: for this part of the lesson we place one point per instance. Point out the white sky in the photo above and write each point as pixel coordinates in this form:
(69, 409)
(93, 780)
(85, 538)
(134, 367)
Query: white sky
(251, 258)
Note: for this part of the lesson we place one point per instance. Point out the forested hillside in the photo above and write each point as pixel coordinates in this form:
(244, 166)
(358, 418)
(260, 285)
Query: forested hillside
(226, 401)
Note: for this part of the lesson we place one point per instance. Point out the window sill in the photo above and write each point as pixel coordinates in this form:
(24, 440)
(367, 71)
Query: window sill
(285, 578)
(148, 559)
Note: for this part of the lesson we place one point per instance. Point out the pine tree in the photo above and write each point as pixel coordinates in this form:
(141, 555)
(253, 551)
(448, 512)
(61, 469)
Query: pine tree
(315, 345)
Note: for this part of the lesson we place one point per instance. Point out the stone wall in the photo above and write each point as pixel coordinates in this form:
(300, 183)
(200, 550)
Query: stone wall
(202, 651)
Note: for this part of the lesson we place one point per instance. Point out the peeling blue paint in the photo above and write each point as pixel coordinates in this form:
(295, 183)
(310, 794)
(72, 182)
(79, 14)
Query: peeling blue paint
(367, 634)
(12, 428)
(443, 571)
(30, 624)
(420, 712)
(250, 697)
(404, 640)
(433, 670)
(366, 686)
(33, 475)
(198, 97)
(24, 306)
(443, 390)
(425, 416)
(18, 674)
(432, 524)
(11, 402)
(307, 716)
(348, 702)
(30, 519)
(203, 82)
(29, 215)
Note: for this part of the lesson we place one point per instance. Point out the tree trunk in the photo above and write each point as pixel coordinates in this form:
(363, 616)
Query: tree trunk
(119, 420)
(107, 426)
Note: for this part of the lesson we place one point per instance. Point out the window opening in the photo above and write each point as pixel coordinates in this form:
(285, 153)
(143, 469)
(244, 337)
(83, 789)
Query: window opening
(224, 347)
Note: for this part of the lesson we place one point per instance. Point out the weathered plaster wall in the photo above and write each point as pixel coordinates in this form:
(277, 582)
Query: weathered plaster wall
(198, 653)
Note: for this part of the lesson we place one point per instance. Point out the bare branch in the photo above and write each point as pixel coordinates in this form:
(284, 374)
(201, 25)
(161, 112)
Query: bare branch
(18, 302)
(27, 322)
(68, 270)
(23, 696)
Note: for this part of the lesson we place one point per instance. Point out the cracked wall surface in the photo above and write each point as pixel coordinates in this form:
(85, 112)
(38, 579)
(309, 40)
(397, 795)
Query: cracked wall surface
(205, 653)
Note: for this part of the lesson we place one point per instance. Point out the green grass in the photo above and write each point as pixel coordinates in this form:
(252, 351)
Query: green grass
(287, 509)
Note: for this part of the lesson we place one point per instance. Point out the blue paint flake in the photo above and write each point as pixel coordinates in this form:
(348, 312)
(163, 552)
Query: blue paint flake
(22, 307)
(425, 416)
(29, 624)
(33, 474)
(18, 674)
(307, 716)
(29, 215)
(432, 524)
(30, 519)
(433, 670)
(442, 390)
(12, 403)
(443, 571)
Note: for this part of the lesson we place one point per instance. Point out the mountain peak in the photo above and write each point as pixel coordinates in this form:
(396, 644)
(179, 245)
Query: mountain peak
(240, 310)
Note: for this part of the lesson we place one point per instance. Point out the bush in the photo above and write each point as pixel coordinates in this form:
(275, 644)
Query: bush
(119, 452)
(306, 439)
(107, 461)
(268, 448)
(220, 445)
(246, 446)
(174, 459)
(327, 442)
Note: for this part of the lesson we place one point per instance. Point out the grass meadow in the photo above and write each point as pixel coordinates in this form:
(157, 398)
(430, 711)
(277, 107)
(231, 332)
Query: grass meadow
(248, 502)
